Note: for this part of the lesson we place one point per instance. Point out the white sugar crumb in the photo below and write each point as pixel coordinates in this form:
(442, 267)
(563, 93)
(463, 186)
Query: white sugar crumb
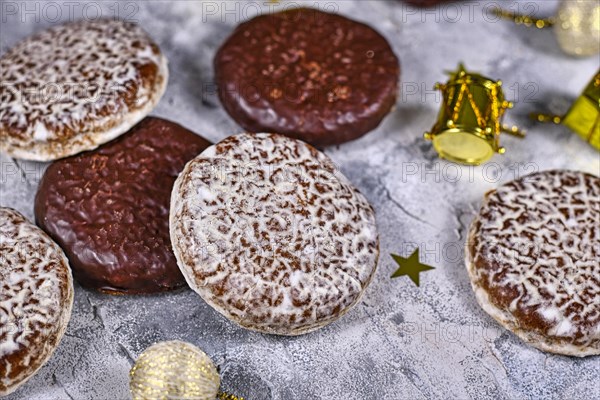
(40, 133)
(205, 194)
(571, 223)
(550, 313)
(564, 328)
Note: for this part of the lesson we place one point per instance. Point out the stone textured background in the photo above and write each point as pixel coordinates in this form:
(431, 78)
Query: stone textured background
(402, 341)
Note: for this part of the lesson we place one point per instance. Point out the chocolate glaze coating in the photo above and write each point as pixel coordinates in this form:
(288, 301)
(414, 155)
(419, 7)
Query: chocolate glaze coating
(311, 75)
(109, 208)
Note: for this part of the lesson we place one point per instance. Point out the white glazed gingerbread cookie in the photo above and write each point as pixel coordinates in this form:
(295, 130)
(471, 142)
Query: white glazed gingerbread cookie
(76, 86)
(270, 235)
(36, 298)
(533, 256)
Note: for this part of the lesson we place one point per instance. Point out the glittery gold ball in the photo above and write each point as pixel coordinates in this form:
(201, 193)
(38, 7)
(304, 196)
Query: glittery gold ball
(174, 370)
(577, 27)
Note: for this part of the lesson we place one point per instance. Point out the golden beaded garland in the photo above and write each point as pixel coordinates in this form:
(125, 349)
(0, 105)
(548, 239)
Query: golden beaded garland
(228, 396)
(576, 25)
(174, 370)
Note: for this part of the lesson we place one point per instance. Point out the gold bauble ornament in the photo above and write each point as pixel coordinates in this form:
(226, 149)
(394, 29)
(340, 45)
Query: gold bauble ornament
(174, 370)
(576, 25)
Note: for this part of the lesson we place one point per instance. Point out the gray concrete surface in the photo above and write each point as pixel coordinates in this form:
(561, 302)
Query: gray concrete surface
(401, 341)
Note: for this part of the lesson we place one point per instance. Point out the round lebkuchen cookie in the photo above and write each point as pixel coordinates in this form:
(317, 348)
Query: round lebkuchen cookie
(109, 208)
(311, 75)
(533, 256)
(36, 298)
(75, 86)
(270, 235)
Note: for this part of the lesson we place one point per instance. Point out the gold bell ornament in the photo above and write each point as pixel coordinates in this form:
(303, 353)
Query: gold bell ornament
(175, 370)
(469, 123)
(576, 25)
(583, 117)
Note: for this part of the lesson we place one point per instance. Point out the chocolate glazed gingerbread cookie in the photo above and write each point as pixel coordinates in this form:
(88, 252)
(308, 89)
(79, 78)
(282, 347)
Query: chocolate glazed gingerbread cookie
(109, 208)
(311, 75)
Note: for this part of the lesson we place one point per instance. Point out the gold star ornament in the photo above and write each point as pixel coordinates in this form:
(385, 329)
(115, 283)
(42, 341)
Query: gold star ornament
(410, 266)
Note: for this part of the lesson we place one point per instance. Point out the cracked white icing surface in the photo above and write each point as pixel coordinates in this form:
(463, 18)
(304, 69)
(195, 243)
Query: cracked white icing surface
(36, 297)
(75, 86)
(534, 260)
(269, 233)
